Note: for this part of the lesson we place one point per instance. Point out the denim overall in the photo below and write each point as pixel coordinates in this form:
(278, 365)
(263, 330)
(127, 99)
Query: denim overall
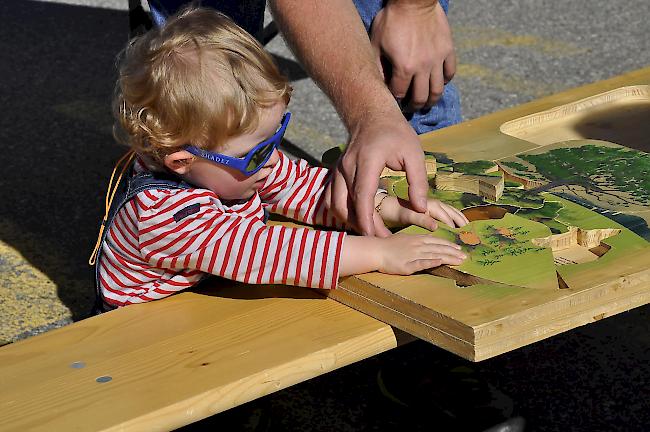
(249, 14)
(130, 185)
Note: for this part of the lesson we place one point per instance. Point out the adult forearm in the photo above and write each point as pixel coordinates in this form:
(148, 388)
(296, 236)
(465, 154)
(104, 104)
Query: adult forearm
(332, 44)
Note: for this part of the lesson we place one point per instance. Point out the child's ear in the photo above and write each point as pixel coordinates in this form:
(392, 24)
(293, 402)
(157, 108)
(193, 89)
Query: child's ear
(179, 162)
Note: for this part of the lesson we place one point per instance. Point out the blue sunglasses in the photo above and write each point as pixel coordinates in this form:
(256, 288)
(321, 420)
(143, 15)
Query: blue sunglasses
(254, 160)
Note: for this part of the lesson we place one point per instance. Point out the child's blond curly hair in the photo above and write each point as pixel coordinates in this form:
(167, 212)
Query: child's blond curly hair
(198, 80)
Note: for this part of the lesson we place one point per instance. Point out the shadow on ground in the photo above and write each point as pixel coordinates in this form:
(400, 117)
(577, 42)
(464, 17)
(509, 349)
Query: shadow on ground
(55, 128)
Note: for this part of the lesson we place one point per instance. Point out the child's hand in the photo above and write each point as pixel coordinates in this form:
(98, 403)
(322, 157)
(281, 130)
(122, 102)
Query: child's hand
(404, 254)
(398, 212)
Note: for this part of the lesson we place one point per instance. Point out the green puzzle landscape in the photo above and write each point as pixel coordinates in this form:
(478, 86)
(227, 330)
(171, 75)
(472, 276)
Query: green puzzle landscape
(500, 250)
(584, 184)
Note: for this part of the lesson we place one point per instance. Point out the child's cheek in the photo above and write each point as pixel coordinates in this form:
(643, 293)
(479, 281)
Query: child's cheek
(233, 188)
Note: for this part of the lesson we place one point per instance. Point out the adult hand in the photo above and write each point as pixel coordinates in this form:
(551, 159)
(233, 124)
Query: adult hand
(415, 38)
(330, 40)
(376, 142)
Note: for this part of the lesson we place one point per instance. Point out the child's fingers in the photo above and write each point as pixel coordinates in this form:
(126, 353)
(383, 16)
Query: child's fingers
(433, 247)
(443, 247)
(438, 258)
(437, 211)
(457, 215)
(420, 219)
(431, 240)
(445, 253)
(449, 258)
(431, 262)
(422, 264)
(447, 214)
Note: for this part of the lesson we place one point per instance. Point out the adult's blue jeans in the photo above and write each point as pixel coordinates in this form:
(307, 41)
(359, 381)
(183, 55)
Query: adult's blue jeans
(447, 111)
(249, 14)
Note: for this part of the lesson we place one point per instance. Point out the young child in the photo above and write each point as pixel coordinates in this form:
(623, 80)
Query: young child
(204, 108)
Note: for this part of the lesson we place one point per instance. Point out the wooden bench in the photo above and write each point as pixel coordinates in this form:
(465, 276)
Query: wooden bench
(165, 364)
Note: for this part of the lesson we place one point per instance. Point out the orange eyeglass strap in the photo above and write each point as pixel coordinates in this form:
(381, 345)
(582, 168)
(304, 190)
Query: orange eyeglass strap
(124, 163)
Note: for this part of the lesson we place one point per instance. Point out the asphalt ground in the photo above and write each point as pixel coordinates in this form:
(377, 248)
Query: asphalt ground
(57, 151)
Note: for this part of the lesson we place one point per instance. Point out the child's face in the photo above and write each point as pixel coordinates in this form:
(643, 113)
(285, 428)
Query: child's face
(229, 183)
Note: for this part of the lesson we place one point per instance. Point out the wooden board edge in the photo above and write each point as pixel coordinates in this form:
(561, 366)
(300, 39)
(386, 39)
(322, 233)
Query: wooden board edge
(484, 351)
(418, 312)
(551, 318)
(637, 77)
(510, 325)
(515, 126)
(492, 339)
(405, 323)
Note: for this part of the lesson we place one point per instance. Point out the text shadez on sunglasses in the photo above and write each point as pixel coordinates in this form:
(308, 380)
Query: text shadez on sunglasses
(254, 160)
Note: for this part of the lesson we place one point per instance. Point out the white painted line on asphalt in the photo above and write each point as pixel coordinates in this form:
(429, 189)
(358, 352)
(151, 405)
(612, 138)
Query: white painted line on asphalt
(104, 4)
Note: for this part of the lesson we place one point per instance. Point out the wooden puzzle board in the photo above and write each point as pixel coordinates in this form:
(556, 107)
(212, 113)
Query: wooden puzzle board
(606, 272)
(621, 115)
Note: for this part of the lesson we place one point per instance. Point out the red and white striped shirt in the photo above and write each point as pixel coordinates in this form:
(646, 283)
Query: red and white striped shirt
(163, 241)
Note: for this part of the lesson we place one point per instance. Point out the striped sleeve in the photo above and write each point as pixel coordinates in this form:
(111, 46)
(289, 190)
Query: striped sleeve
(193, 230)
(296, 190)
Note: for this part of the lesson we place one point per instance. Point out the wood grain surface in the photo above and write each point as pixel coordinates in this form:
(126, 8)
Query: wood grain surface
(176, 361)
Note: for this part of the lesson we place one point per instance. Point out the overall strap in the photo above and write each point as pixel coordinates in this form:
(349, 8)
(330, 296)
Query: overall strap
(121, 189)
(122, 165)
(125, 187)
